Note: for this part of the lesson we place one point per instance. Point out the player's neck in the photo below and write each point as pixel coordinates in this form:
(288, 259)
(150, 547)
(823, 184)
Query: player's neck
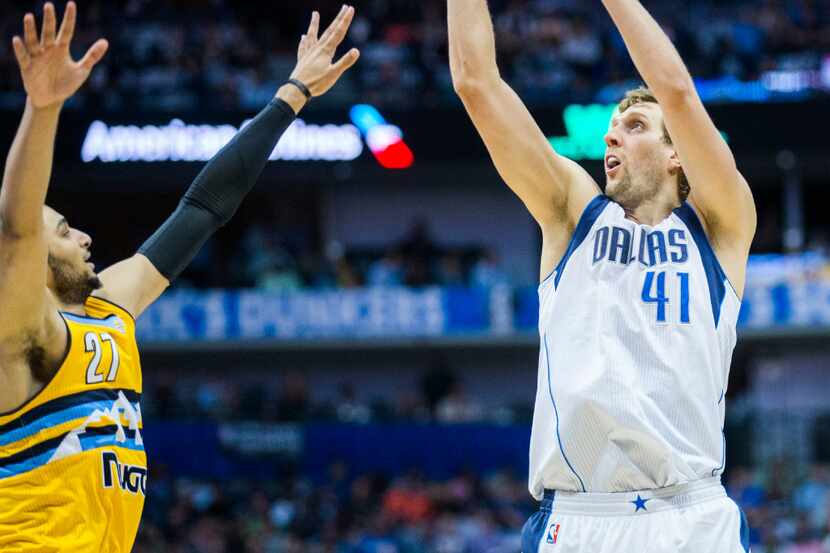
(73, 308)
(650, 213)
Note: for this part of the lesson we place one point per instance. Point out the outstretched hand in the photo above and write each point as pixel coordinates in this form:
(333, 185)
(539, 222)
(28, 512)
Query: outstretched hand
(314, 55)
(50, 75)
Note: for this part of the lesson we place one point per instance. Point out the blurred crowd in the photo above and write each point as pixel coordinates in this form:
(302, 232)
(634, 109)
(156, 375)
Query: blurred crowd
(787, 503)
(343, 514)
(439, 395)
(787, 512)
(288, 258)
(371, 513)
(192, 54)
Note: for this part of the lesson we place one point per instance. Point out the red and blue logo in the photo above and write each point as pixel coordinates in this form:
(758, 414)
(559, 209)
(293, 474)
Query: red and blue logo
(384, 140)
(553, 533)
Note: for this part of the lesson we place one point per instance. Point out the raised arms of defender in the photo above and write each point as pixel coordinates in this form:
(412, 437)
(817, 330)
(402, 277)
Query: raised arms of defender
(719, 194)
(219, 189)
(553, 188)
(28, 314)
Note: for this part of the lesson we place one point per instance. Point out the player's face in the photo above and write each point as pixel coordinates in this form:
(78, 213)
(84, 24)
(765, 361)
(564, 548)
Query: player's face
(71, 276)
(638, 161)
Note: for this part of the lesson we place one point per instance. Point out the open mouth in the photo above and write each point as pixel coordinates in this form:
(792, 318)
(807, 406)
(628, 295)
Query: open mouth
(612, 164)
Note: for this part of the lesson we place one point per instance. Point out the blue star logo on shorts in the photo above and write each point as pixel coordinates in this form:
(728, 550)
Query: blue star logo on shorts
(640, 503)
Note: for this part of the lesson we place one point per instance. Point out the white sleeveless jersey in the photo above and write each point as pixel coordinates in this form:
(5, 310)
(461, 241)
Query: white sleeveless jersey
(637, 328)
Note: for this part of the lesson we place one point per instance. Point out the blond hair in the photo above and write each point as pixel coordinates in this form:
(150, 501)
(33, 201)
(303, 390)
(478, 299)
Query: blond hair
(642, 95)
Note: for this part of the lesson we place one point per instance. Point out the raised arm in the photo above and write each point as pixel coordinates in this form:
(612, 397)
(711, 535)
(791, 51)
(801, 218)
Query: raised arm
(50, 76)
(553, 188)
(719, 193)
(218, 190)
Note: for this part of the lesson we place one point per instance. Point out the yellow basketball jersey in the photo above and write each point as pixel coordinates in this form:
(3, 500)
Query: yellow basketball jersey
(73, 471)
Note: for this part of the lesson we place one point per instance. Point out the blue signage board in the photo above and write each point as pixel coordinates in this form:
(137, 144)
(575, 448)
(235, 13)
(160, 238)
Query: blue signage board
(781, 291)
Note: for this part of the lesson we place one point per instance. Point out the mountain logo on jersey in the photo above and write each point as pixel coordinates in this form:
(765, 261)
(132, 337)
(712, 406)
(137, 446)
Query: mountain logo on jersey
(553, 533)
(91, 434)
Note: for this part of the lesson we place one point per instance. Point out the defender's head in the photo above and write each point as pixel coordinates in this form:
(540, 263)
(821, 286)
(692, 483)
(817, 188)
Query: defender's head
(71, 276)
(641, 163)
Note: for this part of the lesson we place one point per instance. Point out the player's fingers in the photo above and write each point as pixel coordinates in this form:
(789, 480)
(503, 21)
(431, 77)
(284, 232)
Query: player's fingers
(68, 24)
(348, 60)
(20, 52)
(314, 25)
(47, 35)
(30, 34)
(339, 31)
(330, 29)
(94, 54)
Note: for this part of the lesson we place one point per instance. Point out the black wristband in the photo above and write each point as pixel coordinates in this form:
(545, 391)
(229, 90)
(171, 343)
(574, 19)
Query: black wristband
(303, 88)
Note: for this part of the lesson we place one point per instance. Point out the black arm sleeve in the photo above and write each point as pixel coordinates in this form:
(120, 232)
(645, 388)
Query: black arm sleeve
(217, 191)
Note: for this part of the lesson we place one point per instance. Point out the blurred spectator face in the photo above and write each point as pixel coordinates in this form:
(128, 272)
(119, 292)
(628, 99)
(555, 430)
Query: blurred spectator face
(639, 160)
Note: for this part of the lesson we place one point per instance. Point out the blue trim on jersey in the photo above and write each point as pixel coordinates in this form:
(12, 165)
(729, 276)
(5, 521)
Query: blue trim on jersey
(556, 411)
(715, 276)
(534, 530)
(548, 498)
(96, 442)
(589, 216)
(55, 419)
(25, 466)
(38, 456)
(110, 321)
(67, 402)
(744, 531)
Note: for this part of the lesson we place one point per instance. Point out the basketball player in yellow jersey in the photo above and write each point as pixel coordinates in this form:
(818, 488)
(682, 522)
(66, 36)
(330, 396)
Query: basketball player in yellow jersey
(73, 472)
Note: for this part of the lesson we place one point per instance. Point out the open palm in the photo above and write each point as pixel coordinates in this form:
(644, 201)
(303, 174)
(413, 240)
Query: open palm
(50, 75)
(315, 66)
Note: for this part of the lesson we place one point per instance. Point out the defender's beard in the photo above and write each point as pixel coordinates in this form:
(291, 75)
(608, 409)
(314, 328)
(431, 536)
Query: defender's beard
(71, 286)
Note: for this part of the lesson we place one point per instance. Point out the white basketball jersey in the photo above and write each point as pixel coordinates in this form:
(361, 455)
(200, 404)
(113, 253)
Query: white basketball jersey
(637, 328)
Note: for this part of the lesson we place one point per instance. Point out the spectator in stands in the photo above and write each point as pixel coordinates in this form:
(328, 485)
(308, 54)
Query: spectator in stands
(450, 269)
(457, 407)
(386, 271)
(408, 500)
(219, 55)
(487, 271)
(293, 402)
(418, 250)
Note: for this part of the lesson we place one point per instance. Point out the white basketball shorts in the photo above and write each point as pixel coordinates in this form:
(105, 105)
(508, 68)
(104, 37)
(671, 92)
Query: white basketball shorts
(689, 518)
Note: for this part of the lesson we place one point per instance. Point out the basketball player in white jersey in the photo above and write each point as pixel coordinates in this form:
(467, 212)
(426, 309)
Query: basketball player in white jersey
(639, 299)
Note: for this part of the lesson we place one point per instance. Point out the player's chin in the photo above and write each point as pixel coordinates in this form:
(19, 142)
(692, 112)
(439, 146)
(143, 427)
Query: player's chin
(89, 271)
(93, 282)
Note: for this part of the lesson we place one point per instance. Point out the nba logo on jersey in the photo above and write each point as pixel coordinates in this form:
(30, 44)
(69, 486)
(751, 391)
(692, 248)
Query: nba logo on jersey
(553, 533)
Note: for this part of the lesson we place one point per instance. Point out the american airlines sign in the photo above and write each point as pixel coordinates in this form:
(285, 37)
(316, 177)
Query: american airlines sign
(180, 141)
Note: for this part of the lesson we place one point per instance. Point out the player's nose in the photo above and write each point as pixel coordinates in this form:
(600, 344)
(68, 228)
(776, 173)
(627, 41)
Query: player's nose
(84, 240)
(612, 138)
